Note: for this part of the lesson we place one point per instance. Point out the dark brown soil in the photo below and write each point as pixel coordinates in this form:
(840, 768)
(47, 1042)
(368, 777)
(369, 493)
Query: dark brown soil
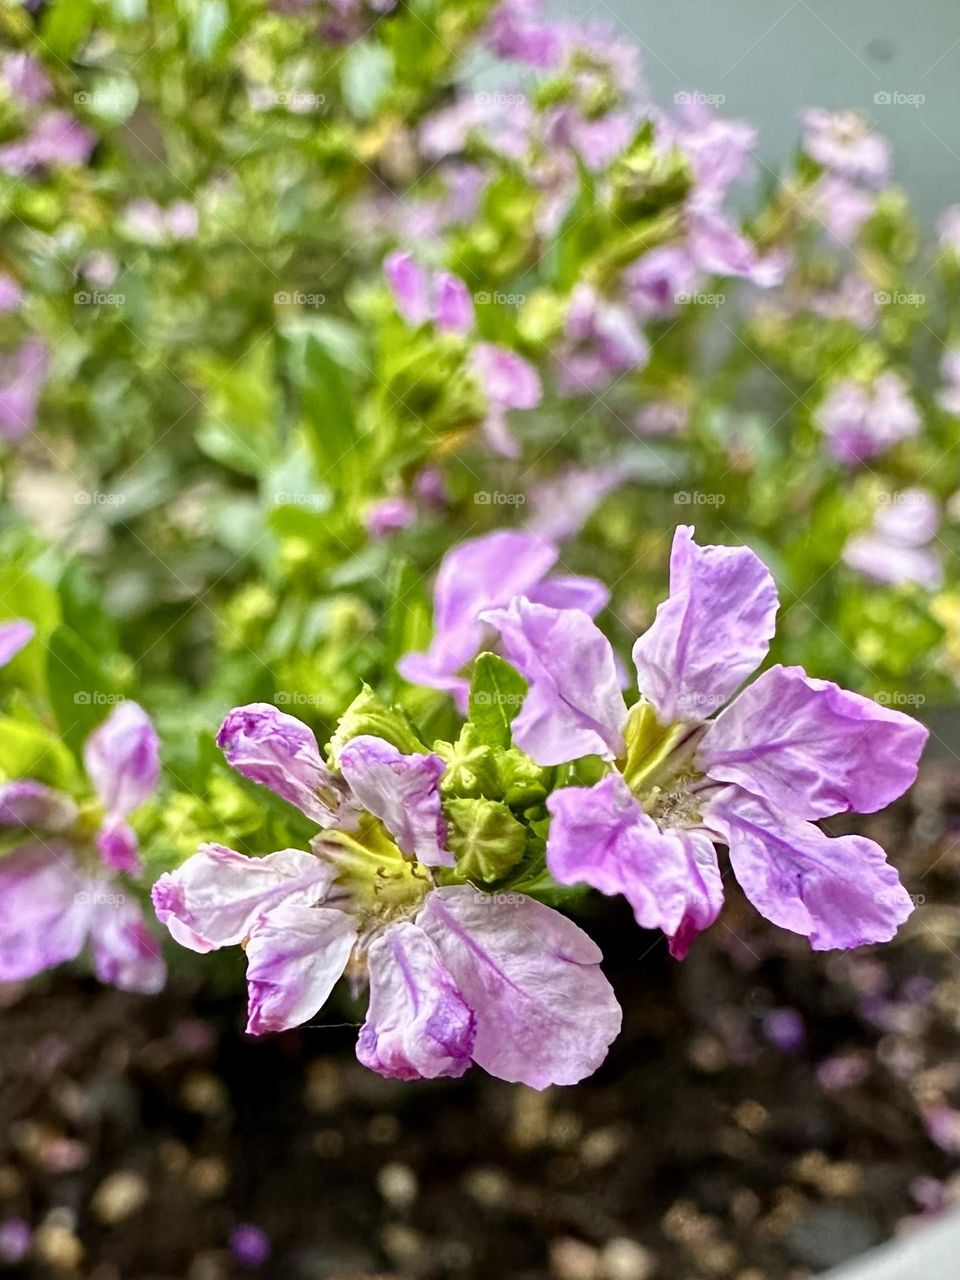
(138, 1134)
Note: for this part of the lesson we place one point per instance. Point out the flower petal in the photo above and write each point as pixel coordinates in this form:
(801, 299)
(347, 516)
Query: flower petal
(13, 636)
(453, 307)
(403, 792)
(574, 706)
(545, 1012)
(122, 758)
(481, 573)
(215, 897)
(118, 845)
(281, 752)
(601, 836)
(810, 748)
(711, 633)
(410, 286)
(571, 591)
(418, 1025)
(125, 952)
(295, 956)
(26, 803)
(44, 909)
(838, 891)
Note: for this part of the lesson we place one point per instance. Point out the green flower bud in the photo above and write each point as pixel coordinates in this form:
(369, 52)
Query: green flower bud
(368, 713)
(485, 837)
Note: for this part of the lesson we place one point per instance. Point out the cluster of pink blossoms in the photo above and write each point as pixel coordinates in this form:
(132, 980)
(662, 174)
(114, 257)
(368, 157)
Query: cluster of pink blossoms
(460, 972)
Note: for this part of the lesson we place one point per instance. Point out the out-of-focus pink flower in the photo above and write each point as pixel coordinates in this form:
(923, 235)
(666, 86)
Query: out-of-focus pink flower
(389, 516)
(57, 139)
(844, 143)
(25, 79)
(11, 295)
(23, 372)
(862, 420)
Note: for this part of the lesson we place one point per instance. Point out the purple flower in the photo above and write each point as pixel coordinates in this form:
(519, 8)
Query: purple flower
(897, 546)
(280, 752)
(55, 897)
(717, 150)
(562, 505)
(455, 976)
(844, 144)
(11, 295)
(389, 516)
(441, 298)
(508, 382)
(14, 634)
(25, 79)
(486, 573)
(661, 279)
(250, 1244)
(861, 421)
(949, 229)
(841, 207)
(718, 248)
(22, 375)
(601, 342)
(516, 29)
(57, 139)
(786, 751)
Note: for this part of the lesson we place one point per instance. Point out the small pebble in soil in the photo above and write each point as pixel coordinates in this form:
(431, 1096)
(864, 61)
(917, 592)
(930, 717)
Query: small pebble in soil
(624, 1259)
(250, 1244)
(574, 1260)
(15, 1235)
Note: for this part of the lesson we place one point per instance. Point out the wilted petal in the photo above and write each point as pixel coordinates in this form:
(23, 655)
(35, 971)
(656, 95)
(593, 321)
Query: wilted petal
(838, 891)
(403, 792)
(294, 959)
(545, 1012)
(122, 758)
(125, 952)
(44, 909)
(215, 897)
(13, 636)
(601, 836)
(453, 307)
(30, 804)
(281, 752)
(410, 285)
(418, 1024)
(711, 633)
(481, 573)
(574, 706)
(810, 748)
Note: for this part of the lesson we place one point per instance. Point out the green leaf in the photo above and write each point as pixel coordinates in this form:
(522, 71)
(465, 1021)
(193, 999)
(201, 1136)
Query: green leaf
(366, 76)
(31, 751)
(65, 25)
(81, 690)
(326, 406)
(496, 695)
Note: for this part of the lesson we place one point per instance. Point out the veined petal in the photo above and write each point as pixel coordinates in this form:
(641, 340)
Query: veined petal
(545, 1012)
(295, 956)
(810, 748)
(403, 792)
(14, 634)
(711, 633)
(280, 752)
(122, 758)
(26, 803)
(125, 952)
(838, 891)
(481, 573)
(601, 836)
(574, 706)
(44, 909)
(571, 591)
(215, 897)
(418, 1024)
